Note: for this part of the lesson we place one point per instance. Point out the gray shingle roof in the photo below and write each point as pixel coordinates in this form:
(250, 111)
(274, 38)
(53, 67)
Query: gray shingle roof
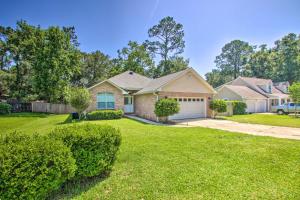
(245, 92)
(130, 80)
(159, 82)
(142, 84)
(257, 81)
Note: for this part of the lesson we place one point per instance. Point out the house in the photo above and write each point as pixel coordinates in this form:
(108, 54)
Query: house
(137, 94)
(259, 94)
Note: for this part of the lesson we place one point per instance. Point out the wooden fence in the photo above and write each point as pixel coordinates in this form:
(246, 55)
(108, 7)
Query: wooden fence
(51, 108)
(20, 107)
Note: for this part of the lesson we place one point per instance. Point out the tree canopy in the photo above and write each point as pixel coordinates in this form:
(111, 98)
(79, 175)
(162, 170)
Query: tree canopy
(167, 42)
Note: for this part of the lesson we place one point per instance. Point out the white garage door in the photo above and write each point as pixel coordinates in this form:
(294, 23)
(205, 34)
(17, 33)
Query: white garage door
(261, 106)
(250, 106)
(190, 108)
(256, 106)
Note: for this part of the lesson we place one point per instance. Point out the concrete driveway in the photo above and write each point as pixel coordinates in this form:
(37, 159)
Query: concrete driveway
(253, 129)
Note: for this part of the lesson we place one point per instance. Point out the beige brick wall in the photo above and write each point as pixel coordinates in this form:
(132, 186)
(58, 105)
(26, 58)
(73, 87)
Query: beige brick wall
(144, 105)
(106, 87)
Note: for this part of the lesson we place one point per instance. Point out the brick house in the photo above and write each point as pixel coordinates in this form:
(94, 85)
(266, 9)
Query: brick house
(137, 94)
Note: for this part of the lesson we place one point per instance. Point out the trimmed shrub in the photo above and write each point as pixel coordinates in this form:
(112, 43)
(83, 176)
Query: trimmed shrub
(166, 107)
(80, 99)
(33, 166)
(218, 106)
(105, 114)
(239, 107)
(94, 147)
(5, 108)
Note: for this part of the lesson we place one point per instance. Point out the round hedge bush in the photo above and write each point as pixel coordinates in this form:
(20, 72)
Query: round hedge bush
(94, 147)
(166, 107)
(33, 166)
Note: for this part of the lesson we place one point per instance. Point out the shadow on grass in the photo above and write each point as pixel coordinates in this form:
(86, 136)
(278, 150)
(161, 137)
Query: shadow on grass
(27, 114)
(69, 120)
(74, 188)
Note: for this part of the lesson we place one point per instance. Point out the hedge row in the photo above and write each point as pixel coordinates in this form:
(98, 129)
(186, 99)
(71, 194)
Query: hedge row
(105, 114)
(33, 166)
(5, 108)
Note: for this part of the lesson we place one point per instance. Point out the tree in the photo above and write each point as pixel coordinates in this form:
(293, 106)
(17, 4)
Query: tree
(80, 99)
(294, 91)
(165, 108)
(20, 46)
(56, 61)
(168, 41)
(172, 65)
(216, 78)
(218, 106)
(5, 57)
(233, 58)
(287, 51)
(135, 58)
(5, 78)
(95, 67)
(260, 64)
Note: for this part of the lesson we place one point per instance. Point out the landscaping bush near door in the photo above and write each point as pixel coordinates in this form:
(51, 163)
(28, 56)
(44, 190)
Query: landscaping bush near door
(105, 114)
(33, 166)
(239, 107)
(94, 147)
(5, 108)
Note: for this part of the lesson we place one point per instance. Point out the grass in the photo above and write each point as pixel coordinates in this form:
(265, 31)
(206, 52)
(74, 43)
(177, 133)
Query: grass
(267, 119)
(159, 162)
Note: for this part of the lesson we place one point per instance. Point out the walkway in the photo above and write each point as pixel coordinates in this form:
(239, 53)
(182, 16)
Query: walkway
(253, 129)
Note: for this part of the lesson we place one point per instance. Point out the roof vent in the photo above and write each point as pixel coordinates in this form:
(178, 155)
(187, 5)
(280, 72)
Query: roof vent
(130, 72)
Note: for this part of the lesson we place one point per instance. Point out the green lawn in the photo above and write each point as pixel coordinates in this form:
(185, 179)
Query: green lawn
(267, 119)
(158, 162)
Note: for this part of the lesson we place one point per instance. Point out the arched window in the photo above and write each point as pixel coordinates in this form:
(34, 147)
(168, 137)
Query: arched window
(105, 101)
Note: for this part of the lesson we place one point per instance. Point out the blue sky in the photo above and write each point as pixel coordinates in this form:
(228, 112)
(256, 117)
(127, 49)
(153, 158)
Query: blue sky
(109, 25)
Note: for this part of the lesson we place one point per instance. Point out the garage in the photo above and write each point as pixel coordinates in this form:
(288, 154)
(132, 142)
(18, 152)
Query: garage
(190, 107)
(256, 106)
(250, 106)
(261, 106)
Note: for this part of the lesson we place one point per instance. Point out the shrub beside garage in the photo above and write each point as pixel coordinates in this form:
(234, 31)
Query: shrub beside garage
(33, 166)
(165, 108)
(239, 107)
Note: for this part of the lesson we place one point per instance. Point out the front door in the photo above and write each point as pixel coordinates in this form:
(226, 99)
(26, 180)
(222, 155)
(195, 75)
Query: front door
(128, 104)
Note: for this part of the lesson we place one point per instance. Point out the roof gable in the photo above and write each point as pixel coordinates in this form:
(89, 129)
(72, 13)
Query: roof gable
(157, 84)
(111, 83)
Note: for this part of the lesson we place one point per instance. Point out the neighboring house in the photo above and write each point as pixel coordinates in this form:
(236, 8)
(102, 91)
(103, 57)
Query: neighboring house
(259, 94)
(137, 94)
